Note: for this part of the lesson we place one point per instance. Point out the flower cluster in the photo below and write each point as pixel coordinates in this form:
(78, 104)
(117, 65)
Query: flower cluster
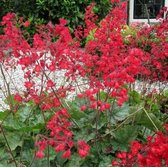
(153, 40)
(152, 154)
(61, 137)
(108, 63)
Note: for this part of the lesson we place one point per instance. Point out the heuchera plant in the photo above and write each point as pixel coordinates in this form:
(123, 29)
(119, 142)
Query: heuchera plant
(106, 63)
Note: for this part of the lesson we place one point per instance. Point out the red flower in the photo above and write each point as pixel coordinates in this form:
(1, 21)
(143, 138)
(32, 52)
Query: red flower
(28, 84)
(63, 22)
(50, 83)
(52, 67)
(56, 102)
(37, 68)
(82, 153)
(40, 154)
(136, 51)
(83, 149)
(17, 97)
(83, 108)
(115, 1)
(26, 23)
(114, 163)
(66, 154)
(60, 147)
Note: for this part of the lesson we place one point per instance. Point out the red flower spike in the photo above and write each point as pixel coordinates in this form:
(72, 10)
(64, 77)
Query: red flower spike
(153, 152)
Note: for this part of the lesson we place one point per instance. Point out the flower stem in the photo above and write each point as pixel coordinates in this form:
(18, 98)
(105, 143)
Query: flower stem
(10, 151)
(150, 119)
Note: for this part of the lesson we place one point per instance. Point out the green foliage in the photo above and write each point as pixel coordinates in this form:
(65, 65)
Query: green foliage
(128, 31)
(43, 11)
(18, 134)
(112, 131)
(90, 36)
(106, 132)
(21, 7)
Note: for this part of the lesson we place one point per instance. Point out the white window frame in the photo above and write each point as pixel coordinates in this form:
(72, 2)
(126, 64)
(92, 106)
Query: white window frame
(131, 13)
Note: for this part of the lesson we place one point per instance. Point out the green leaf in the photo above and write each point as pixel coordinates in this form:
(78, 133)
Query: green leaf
(4, 114)
(90, 36)
(75, 161)
(4, 156)
(126, 134)
(145, 121)
(123, 137)
(14, 140)
(14, 123)
(75, 106)
(58, 160)
(40, 162)
(101, 122)
(84, 134)
(120, 113)
(165, 93)
(134, 97)
(24, 113)
(6, 164)
(105, 161)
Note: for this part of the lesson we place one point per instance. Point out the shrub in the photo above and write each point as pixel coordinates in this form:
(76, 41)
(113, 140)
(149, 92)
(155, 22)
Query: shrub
(49, 10)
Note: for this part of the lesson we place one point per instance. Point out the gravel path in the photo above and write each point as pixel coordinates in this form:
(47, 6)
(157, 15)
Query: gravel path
(14, 80)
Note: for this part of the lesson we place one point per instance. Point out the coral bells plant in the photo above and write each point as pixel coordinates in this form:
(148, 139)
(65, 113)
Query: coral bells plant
(76, 105)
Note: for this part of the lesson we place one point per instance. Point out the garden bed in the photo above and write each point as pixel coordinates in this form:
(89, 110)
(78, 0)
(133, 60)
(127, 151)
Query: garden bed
(84, 107)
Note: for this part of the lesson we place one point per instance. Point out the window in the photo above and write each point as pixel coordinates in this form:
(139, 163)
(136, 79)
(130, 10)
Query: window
(147, 8)
(137, 10)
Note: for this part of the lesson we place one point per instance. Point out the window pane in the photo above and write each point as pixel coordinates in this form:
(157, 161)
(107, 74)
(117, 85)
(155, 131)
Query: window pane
(141, 7)
(158, 1)
(138, 11)
(138, 1)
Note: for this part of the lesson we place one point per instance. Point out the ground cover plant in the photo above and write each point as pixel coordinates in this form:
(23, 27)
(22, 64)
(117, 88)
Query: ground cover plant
(79, 106)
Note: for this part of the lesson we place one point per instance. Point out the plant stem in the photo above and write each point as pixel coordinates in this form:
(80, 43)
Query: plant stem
(8, 89)
(31, 163)
(150, 119)
(97, 121)
(127, 119)
(62, 105)
(147, 12)
(10, 151)
(48, 156)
